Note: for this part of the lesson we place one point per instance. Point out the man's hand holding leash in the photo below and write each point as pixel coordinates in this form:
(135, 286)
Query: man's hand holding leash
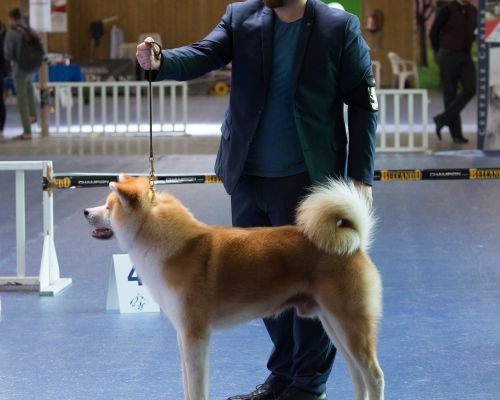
(149, 54)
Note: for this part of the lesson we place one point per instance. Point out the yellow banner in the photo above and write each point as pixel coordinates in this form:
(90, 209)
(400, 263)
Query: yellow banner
(484, 174)
(415, 175)
(212, 179)
(63, 183)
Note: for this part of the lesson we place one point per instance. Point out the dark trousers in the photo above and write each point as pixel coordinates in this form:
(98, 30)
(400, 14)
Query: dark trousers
(303, 354)
(456, 67)
(23, 83)
(2, 106)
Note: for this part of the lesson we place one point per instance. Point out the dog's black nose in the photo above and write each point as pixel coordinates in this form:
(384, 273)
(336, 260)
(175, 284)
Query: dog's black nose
(86, 213)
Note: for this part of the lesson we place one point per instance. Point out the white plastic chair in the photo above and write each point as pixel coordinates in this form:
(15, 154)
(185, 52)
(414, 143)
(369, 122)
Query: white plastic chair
(337, 6)
(403, 69)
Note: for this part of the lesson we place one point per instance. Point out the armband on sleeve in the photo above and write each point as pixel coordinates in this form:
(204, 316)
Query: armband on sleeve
(363, 96)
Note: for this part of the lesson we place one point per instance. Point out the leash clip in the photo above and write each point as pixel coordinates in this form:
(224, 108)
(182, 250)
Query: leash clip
(152, 177)
(155, 56)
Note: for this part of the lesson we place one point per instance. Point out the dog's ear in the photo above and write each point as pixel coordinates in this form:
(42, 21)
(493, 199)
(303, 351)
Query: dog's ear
(124, 178)
(127, 194)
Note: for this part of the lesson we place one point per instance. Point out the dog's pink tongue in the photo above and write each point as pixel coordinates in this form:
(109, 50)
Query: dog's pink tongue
(102, 233)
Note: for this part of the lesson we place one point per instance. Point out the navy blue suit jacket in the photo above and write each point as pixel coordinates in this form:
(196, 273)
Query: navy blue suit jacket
(331, 60)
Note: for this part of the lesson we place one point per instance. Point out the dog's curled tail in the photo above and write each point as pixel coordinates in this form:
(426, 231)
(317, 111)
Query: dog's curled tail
(336, 217)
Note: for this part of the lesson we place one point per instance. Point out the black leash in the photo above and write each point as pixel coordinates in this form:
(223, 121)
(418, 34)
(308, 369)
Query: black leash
(152, 176)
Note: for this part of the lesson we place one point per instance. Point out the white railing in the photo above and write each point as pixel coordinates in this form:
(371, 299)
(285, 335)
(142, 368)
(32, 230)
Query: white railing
(49, 282)
(105, 109)
(115, 108)
(403, 120)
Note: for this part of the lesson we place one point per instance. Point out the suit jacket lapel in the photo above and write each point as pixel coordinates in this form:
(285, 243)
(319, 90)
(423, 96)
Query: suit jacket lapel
(305, 32)
(267, 42)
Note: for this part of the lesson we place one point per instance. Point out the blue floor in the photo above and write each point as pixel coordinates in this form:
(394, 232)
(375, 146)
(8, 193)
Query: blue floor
(437, 248)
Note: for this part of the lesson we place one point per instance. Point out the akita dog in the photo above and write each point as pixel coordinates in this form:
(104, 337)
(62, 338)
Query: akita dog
(208, 277)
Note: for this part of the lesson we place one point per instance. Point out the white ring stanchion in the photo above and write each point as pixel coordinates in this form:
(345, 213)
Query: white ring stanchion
(49, 282)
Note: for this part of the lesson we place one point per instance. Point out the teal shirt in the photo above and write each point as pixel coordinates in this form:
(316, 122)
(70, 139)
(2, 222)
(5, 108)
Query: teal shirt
(275, 150)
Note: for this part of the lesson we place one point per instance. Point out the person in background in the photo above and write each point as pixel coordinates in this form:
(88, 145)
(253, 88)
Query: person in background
(452, 35)
(23, 77)
(294, 65)
(3, 74)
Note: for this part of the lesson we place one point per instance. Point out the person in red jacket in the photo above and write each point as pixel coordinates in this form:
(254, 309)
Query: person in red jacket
(452, 35)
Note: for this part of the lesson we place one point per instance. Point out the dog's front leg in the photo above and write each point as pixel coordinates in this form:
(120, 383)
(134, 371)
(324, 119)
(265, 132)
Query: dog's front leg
(195, 356)
(183, 366)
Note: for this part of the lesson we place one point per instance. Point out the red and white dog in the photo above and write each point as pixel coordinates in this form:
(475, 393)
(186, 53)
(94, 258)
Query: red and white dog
(205, 277)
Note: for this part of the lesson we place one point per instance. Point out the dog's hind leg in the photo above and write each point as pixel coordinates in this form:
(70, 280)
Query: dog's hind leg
(362, 350)
(360, 391)
(195, 355)
(183, 366)
(359, 341)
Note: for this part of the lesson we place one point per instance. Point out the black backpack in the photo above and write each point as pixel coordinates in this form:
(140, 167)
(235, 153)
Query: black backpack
(31, 56)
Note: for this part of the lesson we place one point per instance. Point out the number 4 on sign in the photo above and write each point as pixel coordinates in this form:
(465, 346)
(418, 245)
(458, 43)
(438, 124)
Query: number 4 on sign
(126, 292)
(133, 277)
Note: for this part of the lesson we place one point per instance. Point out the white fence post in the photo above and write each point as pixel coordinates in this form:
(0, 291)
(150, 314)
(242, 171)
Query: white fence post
(48, 282)
(173, 106)
(382, 120)
(113, 106)
(425, 118)
(185, 106)
(20, 225)
(407, 131)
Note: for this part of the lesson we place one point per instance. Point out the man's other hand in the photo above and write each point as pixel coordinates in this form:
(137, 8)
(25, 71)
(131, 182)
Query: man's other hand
(366, 191)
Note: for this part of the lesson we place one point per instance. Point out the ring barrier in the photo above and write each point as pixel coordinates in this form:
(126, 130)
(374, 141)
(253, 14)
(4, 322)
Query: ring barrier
(48, 282)
(106, 107)
(84, 180)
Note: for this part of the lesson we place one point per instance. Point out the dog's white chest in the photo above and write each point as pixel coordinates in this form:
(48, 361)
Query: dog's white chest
(149, 269)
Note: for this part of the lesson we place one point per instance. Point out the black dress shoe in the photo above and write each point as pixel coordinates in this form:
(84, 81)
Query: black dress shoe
(297, 394)
(439, 126)
(262, 392)
(460, 139)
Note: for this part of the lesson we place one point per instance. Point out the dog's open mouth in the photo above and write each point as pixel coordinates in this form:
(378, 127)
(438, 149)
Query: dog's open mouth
(102, 233)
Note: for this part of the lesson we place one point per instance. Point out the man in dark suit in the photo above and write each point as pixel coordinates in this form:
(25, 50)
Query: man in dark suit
(295, 64)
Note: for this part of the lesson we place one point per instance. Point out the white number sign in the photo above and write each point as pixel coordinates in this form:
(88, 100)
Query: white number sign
(125, 289)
